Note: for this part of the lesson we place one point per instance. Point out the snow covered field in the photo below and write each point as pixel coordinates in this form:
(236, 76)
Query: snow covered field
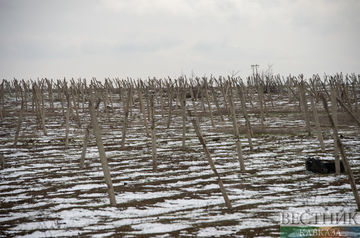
(44, 193)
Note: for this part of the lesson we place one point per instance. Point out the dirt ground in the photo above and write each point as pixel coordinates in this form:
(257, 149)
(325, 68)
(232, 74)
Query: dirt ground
(44, 193)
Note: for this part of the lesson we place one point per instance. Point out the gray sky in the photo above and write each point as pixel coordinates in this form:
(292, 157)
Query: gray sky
(140, 38)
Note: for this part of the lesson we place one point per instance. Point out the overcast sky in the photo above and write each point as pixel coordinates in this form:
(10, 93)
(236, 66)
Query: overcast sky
(140, 38)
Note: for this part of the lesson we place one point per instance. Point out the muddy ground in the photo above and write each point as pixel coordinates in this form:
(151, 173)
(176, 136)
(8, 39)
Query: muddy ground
(44, 193)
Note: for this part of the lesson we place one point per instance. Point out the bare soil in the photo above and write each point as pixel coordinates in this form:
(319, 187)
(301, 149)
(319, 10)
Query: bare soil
(43, 192)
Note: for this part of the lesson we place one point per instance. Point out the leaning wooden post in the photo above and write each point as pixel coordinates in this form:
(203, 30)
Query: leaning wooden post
(223, 89)
(197, 97)
(41, 109)
(263, 98)
(342, 104)
(153, 134)
(161, 100)
(142, 109)
(250, 94)
(147, 99)
(261, 101)
(183, 107)
(84, 90)
(208, 102)
(305, 107)
(109, 90)
(25, 95)
(334, 104)
(106, 109)
(201, 94)
(51, 98)
(348, 110)
(18, 126)
(242, 91)
(126, 118)
(335, 120)
(67, 117)
(236, 131)
(317, 124)
(214, 95)
(269, 91)
(75, 100)
(289, 90)
(43, 114)
(85, 144)
(210, 161)
(16, 88)
(61, 95)
(346, 92)
(343, 155)
(33, 104)
(104, 163)
(354, 93)
(120, 92)
(177, 93)
(170, 106)
(249, 131)
(131, 100)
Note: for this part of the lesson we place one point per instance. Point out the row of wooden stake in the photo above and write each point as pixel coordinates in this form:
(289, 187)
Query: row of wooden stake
(71, 98)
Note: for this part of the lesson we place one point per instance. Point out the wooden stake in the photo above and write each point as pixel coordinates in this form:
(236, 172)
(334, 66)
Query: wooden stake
(200, 92)
(249, 131)
(317, 124)
(67, 116)
(19, 123)
(131, 100)
(251, 95)
(104, 163)
(161, 101)
(343, 155)
(125, 124)
(261, 98)
(353, 116)
(25, 95)
(211, 162)
(236, 130)
(153, 134)
(85, 144)
(51, 98)
(209, 105)
(223, 88)
(170, 107)
(334, 105)
(214, 95)
(305, 107)
(76, 106)
(354, 94)
(41, 109)
(61, 92)
(183, 107)
(142, 109)
(335, 120)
